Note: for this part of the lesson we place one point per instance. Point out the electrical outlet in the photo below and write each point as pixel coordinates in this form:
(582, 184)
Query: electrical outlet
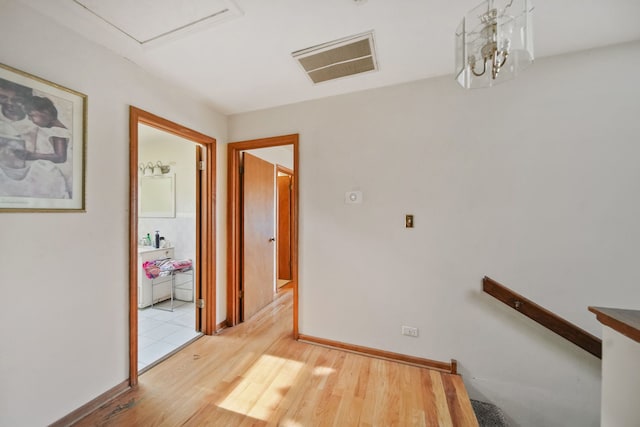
(409, 331)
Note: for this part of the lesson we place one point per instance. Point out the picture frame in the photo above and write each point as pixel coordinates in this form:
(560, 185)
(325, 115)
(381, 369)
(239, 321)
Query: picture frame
(43, 138)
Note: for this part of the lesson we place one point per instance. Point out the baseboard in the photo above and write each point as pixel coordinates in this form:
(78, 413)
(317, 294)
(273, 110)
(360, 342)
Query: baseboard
(451, 367)
(91, 406)
(220, 326)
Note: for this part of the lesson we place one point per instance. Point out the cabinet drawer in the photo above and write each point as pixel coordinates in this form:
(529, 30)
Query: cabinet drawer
(156, 254)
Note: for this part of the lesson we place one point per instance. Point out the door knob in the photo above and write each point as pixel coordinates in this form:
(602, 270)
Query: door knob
(272, 239)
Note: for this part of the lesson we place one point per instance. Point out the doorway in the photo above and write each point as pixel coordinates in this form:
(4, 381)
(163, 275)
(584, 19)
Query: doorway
(167, 178)
(202, 256)
(284, 210)
(236, 240)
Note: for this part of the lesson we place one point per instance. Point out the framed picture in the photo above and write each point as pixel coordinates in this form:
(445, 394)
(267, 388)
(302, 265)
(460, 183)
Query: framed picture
(42, 145)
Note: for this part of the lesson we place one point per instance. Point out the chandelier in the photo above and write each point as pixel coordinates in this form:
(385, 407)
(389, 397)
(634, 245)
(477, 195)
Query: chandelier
(494, 42)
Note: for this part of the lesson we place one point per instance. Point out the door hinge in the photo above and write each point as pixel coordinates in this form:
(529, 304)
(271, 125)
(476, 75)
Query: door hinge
(201, 165)
(241, 170)
(200, 303)
(241, 294)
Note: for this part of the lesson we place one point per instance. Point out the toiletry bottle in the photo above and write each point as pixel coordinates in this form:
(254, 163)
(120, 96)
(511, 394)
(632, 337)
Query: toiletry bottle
(148, 240)
(157, 239)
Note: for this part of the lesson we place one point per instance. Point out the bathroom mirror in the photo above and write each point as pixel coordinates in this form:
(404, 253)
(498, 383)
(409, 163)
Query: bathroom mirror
(157, 196)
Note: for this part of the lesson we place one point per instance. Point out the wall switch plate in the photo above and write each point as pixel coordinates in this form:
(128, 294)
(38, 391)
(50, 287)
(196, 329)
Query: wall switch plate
(409, 331)
(408, 221)
(353, 197)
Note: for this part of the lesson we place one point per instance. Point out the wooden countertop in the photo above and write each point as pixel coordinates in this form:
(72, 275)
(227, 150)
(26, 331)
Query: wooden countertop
(627, 322)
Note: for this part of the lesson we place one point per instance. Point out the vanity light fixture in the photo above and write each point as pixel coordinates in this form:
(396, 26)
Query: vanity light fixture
(494, 42)
(150, 169)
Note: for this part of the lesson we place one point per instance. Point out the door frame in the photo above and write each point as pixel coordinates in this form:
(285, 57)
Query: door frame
(234, 222)
(205, 240)
(289, 172)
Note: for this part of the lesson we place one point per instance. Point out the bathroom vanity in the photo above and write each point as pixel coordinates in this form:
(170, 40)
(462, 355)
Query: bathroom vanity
(161, 285)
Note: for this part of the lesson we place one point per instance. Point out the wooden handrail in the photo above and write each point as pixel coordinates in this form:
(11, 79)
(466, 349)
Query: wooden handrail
(626, 322)
(546, 318)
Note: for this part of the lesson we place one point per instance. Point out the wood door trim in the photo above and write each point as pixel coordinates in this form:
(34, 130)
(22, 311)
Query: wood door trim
(205, 251)
(289, 173)
(234, 221)
(284, 170)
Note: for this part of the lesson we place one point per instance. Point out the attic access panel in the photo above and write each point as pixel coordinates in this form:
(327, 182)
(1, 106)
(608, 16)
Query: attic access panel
(340, 58)
(150, 21)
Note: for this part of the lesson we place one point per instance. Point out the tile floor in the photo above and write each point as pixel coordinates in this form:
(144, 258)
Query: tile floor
(161, 332)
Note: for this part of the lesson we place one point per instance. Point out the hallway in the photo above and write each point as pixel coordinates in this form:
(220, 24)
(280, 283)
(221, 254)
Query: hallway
(255, 374)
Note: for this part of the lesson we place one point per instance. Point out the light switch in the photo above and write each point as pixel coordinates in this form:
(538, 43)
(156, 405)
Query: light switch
(408, 221)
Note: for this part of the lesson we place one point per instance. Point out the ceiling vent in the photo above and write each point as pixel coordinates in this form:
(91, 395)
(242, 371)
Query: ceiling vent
(339, 58)
(149, 22)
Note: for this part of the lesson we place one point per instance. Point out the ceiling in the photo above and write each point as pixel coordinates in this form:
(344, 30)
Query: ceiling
(241, 60)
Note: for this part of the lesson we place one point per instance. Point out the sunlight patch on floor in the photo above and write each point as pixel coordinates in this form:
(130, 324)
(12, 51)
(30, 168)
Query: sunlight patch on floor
(322, 371)
(262, 387)
(290, 423)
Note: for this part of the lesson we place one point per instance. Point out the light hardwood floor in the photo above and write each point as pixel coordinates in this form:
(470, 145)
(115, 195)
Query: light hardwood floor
(255, 374)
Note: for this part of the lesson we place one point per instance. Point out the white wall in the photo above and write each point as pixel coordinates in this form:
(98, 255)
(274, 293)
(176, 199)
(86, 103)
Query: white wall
(64, 320)
(534, 183)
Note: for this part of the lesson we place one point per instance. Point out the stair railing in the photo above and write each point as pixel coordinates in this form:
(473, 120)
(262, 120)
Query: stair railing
(546, 318)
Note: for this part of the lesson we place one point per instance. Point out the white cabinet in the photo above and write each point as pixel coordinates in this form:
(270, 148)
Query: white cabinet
(161, 285)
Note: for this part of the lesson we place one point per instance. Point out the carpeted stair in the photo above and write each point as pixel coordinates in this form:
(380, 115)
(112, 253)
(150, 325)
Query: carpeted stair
(488, 414)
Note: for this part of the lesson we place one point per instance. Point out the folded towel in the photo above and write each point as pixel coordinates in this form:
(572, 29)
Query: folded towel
(165, 266)
(181, 264)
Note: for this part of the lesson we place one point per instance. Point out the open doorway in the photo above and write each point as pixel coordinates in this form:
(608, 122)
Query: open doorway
(184, 279)
(238, 243)
(167, 217)
(284, 233)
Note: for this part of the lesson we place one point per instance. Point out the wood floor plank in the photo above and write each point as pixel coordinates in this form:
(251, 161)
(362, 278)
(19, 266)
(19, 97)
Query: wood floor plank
(255, 374)
(428, 398)
(441, 405)
(376, 390)
(460, 409)
(411, 409)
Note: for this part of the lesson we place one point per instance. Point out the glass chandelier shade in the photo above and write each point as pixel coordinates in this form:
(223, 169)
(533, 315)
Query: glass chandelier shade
(494, 42)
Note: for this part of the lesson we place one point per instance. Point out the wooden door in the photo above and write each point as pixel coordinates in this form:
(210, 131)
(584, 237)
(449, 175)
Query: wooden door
(258, 232)
(284, 227)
